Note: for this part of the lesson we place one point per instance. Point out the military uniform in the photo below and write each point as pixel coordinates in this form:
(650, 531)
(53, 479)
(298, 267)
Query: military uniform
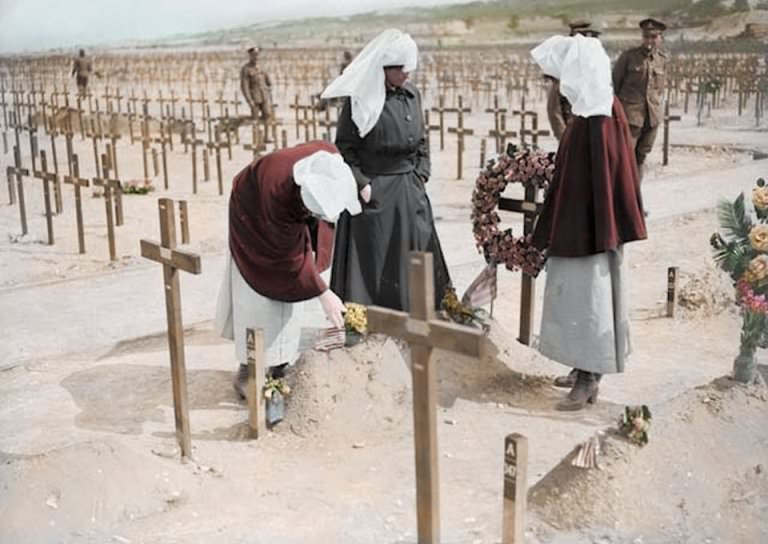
(639, 81)
(81, 69)
(256, 88)
(558, 110)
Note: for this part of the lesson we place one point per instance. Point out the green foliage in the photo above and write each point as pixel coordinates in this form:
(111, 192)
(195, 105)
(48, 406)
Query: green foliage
(733, 218)
(514, 22)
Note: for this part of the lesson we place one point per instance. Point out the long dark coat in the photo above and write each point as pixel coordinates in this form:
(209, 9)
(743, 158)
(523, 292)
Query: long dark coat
(370, 262)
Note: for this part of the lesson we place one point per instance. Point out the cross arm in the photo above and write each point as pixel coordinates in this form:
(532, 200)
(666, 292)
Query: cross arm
(520, 206)
(188, 262)
(434, 333)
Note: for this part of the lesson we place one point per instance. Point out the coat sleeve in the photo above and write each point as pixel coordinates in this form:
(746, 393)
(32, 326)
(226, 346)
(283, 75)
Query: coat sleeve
(423, 164)
(555, 111)
(348, 141)
(619, 71)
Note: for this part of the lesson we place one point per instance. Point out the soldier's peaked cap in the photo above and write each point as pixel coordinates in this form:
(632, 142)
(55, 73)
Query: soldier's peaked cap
(652, 25)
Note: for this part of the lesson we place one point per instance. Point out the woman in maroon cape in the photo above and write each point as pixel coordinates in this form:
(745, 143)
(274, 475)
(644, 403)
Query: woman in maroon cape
(281, 214)
(591, 210)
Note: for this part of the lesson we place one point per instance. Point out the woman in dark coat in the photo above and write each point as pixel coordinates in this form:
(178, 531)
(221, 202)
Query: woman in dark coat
(389, 158)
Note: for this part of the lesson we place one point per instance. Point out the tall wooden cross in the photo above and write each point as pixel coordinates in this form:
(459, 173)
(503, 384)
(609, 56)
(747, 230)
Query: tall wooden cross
(440, 110)
(18, 171)
(460, 132)
(424, 334)
(497, 120)
(530, 208)
(667, 119)
(47, 178)
(78, 182)
(174, 260)
(108, 185)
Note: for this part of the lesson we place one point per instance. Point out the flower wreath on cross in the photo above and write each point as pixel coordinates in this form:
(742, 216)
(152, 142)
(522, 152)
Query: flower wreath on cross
(531, 168)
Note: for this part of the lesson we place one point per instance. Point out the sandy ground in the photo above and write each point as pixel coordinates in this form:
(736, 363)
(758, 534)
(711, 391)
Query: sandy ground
(87, 452)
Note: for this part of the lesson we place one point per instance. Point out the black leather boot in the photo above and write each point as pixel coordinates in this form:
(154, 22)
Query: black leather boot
(566, 381)
(584, 392)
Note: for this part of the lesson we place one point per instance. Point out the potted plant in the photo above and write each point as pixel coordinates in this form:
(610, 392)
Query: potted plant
(742, 252)
(275, 391)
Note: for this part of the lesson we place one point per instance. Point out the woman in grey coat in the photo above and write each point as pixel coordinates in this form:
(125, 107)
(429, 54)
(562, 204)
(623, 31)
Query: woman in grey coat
(390, 161)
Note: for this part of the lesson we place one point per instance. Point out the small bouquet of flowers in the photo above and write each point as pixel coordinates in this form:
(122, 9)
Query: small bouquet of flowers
(635, 422)
(355, 323)
(137, 187)
(742, 252)
(461, 313)
(275, 391)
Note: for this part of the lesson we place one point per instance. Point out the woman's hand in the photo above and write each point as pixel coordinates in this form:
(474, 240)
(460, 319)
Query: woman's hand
(365, 194)
(333, 308)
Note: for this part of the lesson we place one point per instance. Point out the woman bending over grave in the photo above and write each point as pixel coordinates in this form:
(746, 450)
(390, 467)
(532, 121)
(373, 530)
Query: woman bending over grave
(381, 136)
(281, 214)
(591, 210)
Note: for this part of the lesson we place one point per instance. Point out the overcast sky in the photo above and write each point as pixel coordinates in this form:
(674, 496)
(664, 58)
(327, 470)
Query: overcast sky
(44, 24)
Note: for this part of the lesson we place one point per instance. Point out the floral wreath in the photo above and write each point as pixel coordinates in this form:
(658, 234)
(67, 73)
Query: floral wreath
(531, 168)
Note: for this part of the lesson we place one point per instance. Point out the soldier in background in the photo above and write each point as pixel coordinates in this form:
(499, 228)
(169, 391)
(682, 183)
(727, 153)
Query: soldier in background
(558, 107)
(256, 87)
(81, 69)
(639, 80)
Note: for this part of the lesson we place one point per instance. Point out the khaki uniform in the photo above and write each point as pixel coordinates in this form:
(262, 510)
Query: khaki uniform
(558, 110)
(81, 69)
(256, 88)
(639, 81)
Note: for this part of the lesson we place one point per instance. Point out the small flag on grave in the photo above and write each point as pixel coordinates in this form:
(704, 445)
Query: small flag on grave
(330, 339)
(483, 289)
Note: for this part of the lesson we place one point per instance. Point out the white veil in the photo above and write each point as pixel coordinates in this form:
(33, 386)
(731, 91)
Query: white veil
(363, 79)
(584, 70)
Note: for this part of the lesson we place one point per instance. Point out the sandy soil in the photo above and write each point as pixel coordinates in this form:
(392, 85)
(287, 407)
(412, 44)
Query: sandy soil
(88, 450)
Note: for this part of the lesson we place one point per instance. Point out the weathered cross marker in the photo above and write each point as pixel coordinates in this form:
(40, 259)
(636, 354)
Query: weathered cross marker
(20, 172)
(173, 260)
(530, 209)
(254, 389)
(47, 178)
(515, 489)
(184, 221)
(78, 182)
(667, 119)
(440, 110)
(460, 132)
(108, 185)
(424, 333)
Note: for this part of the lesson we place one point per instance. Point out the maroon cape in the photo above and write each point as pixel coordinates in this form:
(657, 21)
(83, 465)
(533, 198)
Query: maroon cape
(270, 229)
(593, 204)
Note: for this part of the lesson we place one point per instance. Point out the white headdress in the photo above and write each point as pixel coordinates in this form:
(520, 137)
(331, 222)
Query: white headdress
(363, 79)
(584, 70)
(327, 185)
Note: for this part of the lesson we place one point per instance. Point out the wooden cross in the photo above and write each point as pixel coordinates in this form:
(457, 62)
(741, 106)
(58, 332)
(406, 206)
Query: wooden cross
(667, 119)
(47, 178)
(534, 131)
(184, 221)
(671, 291)
(174, 260)
(497, 120)
(460, 132)
(19, 172)
(440, 110)
(57, 183)
(530, 209)
(501, 135)
(424, 334)
(162, 140)
(108, 185)
(75, 180)
(216, 146)
(515, 489)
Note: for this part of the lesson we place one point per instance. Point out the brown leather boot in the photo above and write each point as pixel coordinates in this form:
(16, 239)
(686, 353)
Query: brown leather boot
(567, 381)
(584, 392)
